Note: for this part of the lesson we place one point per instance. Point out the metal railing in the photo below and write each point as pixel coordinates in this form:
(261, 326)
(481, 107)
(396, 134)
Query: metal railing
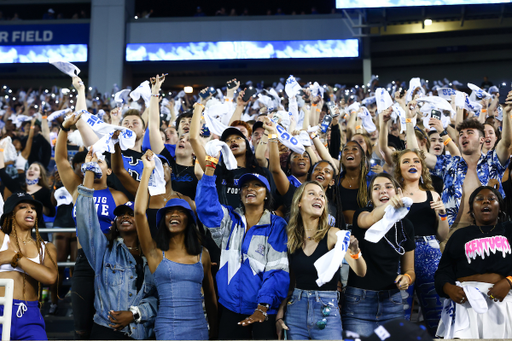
(58, 230)
(6, 301)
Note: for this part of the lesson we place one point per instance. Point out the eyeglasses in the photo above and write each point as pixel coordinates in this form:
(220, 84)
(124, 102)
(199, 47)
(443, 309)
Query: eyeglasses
(326, 311)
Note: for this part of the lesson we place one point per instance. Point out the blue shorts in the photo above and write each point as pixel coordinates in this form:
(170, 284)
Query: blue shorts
(27, 323)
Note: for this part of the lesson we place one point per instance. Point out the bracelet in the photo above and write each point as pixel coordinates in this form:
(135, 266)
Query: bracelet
(443, 218)
(313, 105)
(484, 111)
(32, 127)
(15, 259)
(273, 140)
(93, 167)
(211, 165)
(279, 319)
(448, 140)
(410, 278)
(318, 110)
(408, 120)
(265, 134)
(45, 117)
(212, 159)
(509, 279)
(313, 135)
(272, 136)
(200, 105)
(443, 133)
(228, 100)
(65, 129)
(263, 312)
(155, 95)
(1, 150)
(443, 215)
(261, 142)
(358, 127)
(356, 256)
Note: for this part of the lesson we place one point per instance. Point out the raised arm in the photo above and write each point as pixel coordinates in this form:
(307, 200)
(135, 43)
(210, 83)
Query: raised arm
(45, 129)
(384, 149)
(129, 183)
(154, 115)
(506, 136)
(67, 174)
(195, 139)
(261, 148)
(366, 219)
(323, 152)
(447, 140)
(412, 142)
(149, 248)
(280, 178)
(89, 137)
(240, 106)
(92, 239)
(28, 146)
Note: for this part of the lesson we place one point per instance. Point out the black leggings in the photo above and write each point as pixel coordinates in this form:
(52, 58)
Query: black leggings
(104, 333)
(229, 329)
(82, 296)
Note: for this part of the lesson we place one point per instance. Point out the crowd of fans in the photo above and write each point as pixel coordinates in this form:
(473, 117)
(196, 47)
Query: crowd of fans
(247, 212)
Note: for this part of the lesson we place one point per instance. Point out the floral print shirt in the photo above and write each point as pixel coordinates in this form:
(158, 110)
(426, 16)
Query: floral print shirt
(453, 170)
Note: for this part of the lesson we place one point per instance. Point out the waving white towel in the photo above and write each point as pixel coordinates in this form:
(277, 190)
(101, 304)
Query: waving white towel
(383, 99)
(156, 183)
(69, 69)
(144, 91)
(212, 121)
(391, 216)
(59, 113)
(327, 265)
(291, 88)
(289, 141)
(10, 153)
(368, 124)
(213, 148)
(62, 196)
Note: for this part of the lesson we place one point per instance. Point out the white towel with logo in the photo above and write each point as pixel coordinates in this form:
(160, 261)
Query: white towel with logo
(366, 117)
(62, 196)
(69, 69)
(327, 265)
(391, 215)
(156, 183)
(144, 91)
(59, 113)
(383, 99)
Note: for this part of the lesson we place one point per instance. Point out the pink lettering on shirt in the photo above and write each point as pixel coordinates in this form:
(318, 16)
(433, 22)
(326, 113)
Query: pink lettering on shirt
(484, 246)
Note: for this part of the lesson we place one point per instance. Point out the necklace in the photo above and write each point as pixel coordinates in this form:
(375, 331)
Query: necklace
(185, 168)
(399, 248)
(487, 231)
(350, 181)
(136, 248)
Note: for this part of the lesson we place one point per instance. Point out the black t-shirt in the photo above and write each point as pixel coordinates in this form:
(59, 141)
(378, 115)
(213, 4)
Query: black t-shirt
(382, 258)
(469, 252)
(41, 150)
(64, 216)
(183, 178)
(227, 183)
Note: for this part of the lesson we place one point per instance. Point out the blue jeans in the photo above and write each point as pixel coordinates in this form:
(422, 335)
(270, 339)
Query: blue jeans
(306, 308)
(365, 310)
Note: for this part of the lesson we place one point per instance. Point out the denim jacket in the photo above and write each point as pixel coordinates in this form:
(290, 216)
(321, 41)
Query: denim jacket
(115, 278)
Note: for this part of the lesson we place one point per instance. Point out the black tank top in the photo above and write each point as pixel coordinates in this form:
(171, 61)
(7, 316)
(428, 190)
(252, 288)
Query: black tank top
(349, 198)
(423, 218)
(305, 272)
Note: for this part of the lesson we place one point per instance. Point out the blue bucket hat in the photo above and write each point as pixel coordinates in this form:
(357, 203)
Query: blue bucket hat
(175, 203)
(253, 176)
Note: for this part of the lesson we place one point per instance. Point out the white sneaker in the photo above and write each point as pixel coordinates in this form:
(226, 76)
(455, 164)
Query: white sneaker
(53, 309)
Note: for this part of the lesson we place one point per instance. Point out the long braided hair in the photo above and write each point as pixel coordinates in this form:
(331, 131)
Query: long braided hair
(10, 228)
(362, 193)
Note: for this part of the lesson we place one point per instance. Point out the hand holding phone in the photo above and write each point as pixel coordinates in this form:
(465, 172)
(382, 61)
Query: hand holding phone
(249, 92)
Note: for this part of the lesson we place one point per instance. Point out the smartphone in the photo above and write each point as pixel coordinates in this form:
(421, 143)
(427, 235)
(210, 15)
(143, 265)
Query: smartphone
(249, 92)
(435, 114)
(210, 91)
(231, 84)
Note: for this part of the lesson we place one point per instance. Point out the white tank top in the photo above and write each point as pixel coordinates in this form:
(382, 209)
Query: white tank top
(8, 267)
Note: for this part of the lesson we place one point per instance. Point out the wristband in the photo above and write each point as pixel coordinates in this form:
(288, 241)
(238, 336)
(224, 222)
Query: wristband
(212, 159)
(448, 140)
(313, 105)
(93, 167)
(272, 136)
(263, 312)
(136, 314)
(484, 111)
(509, 279)
(211, 165)
(32, 127)
(443, 133)
(155, 95)
(279, 319)
(313, 135)
(228, 100)
(408, 120)
(410, 278)
(1, 150)
(15, 259)
(356, 256)
(318, 110)
(443, 218)
(200, 105)
(65, 129)
(443, 215)
(45, 117)
(358, 127)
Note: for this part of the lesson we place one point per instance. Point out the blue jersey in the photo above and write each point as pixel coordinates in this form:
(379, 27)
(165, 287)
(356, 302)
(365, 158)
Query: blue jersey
(105, 206)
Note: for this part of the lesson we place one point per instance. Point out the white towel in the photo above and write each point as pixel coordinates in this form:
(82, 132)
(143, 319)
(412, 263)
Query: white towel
(121, 97)
(413, 84)
(438, 102)
(291, 88)
(69, 69)
(62, 196)
(476, 298)
(213, 147)
(126, 137)
(327, 265)
(156, 183)
(391, 216)
(477, 92)
(144, 91)
(399, 112)
(59, 113)
(10, 153)
(211, 119)
(289, 141)
(353, 108)
(305, 139)
(383, 99)
(368, 124)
